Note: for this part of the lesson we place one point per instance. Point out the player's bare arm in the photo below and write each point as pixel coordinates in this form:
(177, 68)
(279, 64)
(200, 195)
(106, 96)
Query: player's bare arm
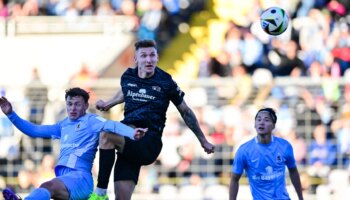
(115, 100)
(191, 121)
(295, 179)
(234, 186)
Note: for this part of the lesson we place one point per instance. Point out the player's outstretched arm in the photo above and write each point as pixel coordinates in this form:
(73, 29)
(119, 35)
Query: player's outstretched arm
(295, 179)
(106, 105)
(191, 121)
(121, 129)
(26, 127)
(234, 186)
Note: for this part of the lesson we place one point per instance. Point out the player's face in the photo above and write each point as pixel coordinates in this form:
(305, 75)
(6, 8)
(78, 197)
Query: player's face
(146, 60)
(76, 107)
(264, 123)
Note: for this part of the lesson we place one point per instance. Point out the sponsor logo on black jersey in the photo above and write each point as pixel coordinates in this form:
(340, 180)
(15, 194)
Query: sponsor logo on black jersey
(156, 88)
(132, 85)
(141, 95)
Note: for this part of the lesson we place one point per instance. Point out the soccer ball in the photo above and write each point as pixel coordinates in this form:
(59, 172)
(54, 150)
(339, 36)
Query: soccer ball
(274, 20)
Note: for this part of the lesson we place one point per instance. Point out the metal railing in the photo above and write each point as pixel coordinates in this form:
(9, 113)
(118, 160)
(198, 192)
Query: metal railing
(36, 25)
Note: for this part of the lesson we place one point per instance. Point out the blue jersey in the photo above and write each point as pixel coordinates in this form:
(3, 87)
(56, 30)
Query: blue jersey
(265, 166)
(147, 100)
(78, 138)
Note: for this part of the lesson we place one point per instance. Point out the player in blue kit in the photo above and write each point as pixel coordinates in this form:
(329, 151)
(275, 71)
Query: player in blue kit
(79, 135)
(147, 92)
(264, 159)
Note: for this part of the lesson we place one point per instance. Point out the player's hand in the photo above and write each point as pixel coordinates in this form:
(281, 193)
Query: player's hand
(139, 133)
(208, 147)
(5, 105)
(101, 105)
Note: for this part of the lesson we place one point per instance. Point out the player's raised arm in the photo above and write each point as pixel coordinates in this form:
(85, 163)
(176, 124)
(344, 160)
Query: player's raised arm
(26, 127)
(191, 121)
(106, 105)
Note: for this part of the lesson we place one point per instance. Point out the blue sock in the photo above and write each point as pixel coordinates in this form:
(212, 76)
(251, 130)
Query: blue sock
(39, 193)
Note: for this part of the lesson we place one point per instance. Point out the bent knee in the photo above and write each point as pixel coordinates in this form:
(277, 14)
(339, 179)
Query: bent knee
(48, 185)
(56, 188)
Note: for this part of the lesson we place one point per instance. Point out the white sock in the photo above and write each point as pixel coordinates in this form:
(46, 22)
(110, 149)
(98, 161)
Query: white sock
(100, 191)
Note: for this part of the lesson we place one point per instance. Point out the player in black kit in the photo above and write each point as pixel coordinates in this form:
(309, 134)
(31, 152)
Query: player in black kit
(147, 91)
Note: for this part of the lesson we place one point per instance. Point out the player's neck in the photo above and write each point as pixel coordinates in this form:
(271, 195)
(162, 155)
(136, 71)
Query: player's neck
(264, 138)
(145, 74)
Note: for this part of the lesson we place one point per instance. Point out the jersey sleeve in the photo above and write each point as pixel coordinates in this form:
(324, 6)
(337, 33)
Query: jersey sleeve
(34, 130)
(102, 124)
(290, 160)
(238, 162)
(175, 93)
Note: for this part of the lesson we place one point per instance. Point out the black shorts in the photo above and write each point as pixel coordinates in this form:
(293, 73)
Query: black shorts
(135, 154)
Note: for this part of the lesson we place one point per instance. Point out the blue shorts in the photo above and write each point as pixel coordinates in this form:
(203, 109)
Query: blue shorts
(78, 183)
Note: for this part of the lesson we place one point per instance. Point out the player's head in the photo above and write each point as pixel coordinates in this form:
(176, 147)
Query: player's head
(77, 102)
(265, 120)
(146, 56)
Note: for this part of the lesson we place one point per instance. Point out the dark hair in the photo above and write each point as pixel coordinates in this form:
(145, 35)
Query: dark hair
(145, 44)
(74, 92)
(271, 112)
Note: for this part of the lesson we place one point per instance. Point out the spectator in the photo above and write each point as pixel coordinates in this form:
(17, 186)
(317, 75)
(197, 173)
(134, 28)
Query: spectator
(128, 8)
(46, 171)
(26, 176)
(219, 65)
(251, 52)
(4, 12)
(25, 180)
(104, 9)
(322, 153)
(37, 94)
(290, 64)
(150, 20)
(85, 78)
(299, 146)
(341, 130)
(243, 85)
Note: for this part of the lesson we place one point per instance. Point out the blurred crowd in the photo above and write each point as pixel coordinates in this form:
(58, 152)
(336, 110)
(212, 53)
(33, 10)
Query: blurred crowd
(316, 43)
(312, 101)
(153, 19)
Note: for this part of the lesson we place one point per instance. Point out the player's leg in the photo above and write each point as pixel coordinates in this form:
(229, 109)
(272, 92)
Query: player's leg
(108, 143)
(125, 177)
(51, 189)
(79, 184)
(128, 165)
(124, 189)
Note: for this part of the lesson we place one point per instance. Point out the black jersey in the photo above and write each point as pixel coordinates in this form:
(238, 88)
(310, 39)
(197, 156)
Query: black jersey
(147, 100)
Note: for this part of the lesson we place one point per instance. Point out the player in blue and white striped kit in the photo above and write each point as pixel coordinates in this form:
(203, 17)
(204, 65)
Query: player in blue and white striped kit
(79, 137)
(264, 158)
